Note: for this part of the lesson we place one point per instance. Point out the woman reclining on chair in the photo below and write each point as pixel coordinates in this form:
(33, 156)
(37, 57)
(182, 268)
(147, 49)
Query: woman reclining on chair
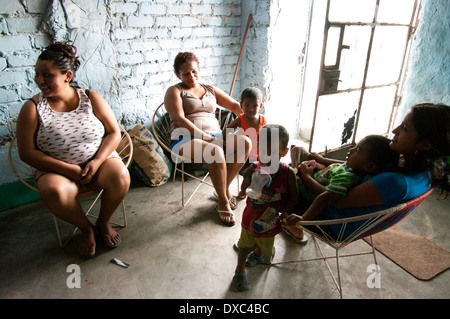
(196, 132)
(70, 139)
(423, 141)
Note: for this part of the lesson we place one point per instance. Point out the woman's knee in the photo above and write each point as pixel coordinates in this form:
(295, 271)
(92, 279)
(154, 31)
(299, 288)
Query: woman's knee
(213, 154)
(124, 179)
(58, 191)
(115, 176)
(121, 179)
(241, 148)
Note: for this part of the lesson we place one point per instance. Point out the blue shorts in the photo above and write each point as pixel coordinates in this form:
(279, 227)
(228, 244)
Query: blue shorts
(176, 144)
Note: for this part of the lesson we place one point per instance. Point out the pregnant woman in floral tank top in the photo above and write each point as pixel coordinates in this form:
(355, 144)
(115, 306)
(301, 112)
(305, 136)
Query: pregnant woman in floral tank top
(70, 140)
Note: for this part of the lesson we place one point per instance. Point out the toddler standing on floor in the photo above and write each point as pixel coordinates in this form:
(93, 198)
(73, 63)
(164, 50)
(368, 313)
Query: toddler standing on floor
(260, 219)
(249, 122)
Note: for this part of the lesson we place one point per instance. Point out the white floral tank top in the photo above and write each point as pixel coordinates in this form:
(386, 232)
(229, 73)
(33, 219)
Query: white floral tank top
(73, 137)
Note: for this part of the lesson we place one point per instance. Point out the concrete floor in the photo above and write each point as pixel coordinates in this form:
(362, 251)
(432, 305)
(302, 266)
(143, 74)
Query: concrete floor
(186, 253)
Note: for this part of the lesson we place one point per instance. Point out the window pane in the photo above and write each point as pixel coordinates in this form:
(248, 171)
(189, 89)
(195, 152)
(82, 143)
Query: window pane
(332, 46)
(353, 59)
(398, 11)
(376, 111)
(352, 10)
(333, 112)
(386, 59)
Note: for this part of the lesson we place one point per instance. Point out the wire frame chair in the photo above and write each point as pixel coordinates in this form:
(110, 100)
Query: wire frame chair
(162, 128)
(369, 225)
(24, 173)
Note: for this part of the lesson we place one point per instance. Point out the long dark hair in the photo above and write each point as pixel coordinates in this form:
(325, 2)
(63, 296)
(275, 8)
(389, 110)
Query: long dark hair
(432, 123)
(63, 55)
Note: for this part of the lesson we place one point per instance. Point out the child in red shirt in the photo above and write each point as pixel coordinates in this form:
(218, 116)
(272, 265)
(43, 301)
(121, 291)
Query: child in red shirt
(249, 123)
(260, 219)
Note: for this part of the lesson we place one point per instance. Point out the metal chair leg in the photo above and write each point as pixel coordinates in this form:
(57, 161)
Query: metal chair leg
(339, 285)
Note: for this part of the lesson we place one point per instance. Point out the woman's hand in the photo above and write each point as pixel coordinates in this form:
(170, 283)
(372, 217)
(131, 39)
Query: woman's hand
(207, 137)
(89, 171)
(71, 171)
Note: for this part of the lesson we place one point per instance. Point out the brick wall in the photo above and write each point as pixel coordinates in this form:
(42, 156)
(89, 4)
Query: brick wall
(127, 49)
(148, 35)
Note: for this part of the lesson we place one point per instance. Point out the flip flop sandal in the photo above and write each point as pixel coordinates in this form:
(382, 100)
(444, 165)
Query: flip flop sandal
(109, 237)
(233, 202)
(253, 259)
(229, 214)
(299, 240)
(241, 281)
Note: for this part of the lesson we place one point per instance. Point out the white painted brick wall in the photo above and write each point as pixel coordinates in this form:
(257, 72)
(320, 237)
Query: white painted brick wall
(196, 25)
(145, 36)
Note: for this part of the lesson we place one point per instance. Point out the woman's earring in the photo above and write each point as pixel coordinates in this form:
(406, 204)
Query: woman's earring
(67, 80)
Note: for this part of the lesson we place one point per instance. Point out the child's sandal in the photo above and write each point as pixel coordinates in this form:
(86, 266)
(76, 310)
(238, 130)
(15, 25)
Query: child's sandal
(253, 260)
(241, 281)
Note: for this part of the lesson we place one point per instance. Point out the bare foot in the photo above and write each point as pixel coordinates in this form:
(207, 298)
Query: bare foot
(87, 243)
